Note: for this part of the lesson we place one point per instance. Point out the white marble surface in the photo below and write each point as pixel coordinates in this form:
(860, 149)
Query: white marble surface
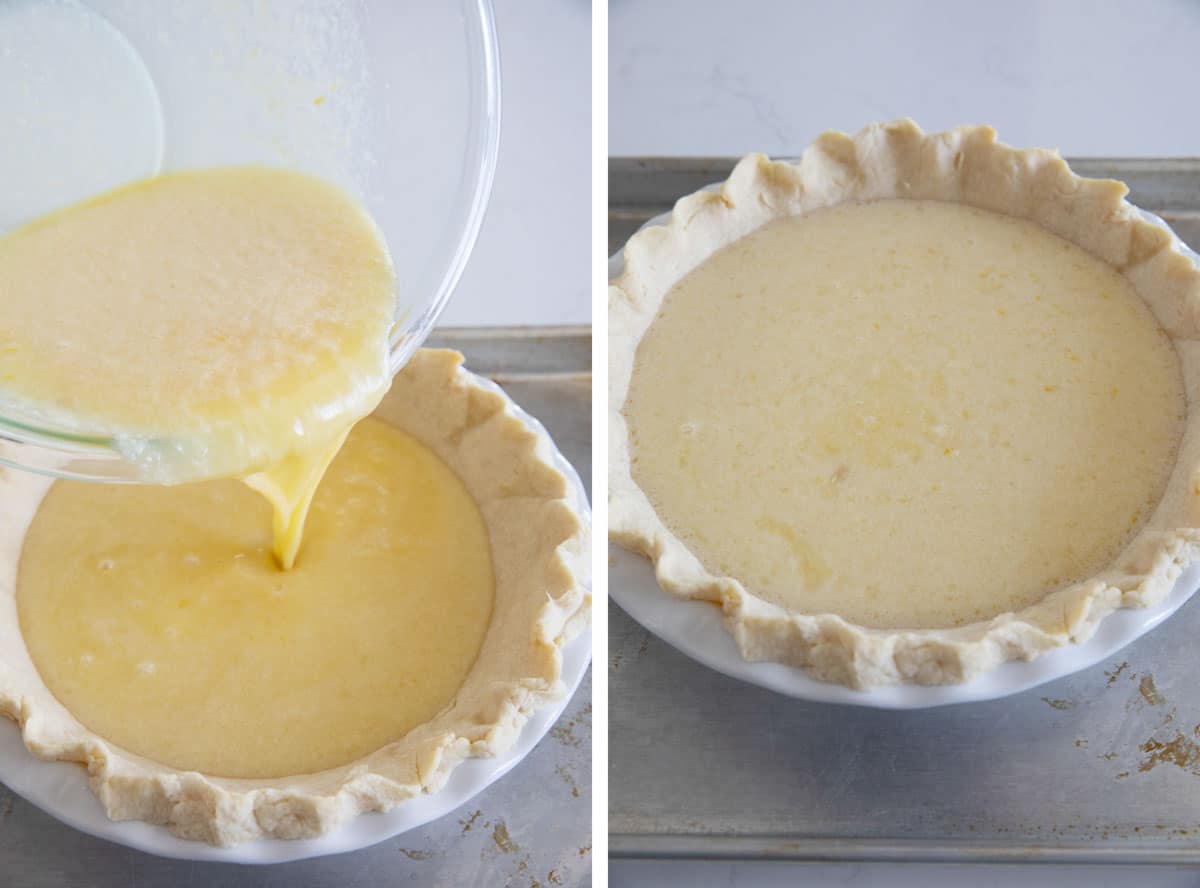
(1094, 79)
(1090, 78)
(531, 264)
(885, 875)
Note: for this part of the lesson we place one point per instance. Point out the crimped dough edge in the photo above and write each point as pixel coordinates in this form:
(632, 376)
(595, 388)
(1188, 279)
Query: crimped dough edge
(540, 546)
(898, 160)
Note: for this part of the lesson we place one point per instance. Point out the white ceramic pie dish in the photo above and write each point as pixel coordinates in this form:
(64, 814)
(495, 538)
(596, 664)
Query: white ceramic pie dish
(697, 628)
(61, 788)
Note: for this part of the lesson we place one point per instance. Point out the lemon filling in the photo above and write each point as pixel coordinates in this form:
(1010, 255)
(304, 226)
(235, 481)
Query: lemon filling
(159, 618)
(912, 414)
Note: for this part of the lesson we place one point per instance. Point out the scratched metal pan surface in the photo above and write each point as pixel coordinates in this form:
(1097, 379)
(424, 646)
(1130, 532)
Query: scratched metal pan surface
(1100, 765)
(531, 825)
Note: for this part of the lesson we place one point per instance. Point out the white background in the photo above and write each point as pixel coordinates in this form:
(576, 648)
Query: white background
(1096, 78)
(532, 262)
(1090, 78)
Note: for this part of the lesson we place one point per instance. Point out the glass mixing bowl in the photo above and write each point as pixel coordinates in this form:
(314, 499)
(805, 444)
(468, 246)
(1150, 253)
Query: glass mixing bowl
(398, 103)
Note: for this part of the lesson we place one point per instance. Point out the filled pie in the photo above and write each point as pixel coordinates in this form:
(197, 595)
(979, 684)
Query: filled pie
(148, 634)
(909, 408)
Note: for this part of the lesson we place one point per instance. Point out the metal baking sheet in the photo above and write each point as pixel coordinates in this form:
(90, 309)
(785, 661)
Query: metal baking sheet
(532, 827)
(1101, 766)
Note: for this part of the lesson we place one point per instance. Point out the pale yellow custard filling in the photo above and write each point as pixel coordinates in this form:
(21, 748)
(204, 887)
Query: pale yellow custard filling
(211, 323)
(158, 617)
(910, 414)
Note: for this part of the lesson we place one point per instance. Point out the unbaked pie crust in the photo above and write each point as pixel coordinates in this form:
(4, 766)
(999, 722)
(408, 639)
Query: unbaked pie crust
(964, 166)
(540, 558)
